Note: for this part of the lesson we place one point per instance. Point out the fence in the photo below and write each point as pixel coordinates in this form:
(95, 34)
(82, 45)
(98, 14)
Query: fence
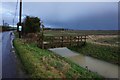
(62, 41)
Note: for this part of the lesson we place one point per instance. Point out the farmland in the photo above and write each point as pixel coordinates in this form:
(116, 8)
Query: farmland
(100, 44)
(79, 32)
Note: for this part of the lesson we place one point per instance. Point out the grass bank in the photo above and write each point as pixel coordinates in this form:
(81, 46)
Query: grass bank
(40, 63)
(103, 52)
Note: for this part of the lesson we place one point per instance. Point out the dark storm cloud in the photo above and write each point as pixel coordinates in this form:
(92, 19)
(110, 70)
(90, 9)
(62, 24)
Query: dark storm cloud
(78, 15)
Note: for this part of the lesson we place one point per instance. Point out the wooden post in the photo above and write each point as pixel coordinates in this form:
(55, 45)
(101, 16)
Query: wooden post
(42, 37)
(85, 38)
(78, 40)
(62, 41)
(81, 38)
(50, 41)
(70, 41)
(20, 14)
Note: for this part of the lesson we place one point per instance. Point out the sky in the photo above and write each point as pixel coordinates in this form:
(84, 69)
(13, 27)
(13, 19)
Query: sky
(71, 15)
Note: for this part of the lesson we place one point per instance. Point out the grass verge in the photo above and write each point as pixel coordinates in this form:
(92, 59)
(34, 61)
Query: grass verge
(103, 52)
(40, 63)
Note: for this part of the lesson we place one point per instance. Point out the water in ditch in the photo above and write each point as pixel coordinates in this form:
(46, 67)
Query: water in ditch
(103, 68)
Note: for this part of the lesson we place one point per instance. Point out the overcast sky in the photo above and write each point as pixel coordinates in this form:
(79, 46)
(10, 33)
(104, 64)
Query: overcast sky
(77, 15)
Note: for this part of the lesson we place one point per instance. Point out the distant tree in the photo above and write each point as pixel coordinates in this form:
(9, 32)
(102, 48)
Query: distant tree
(31, 25)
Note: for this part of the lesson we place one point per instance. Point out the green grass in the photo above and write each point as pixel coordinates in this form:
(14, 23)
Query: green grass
(103, 52)
(79, 32)
(110, 40)
(40, 63)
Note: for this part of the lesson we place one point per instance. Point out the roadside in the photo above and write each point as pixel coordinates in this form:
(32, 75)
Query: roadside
(0, 55)
(40, 63)
(21, 71)
(10, 62)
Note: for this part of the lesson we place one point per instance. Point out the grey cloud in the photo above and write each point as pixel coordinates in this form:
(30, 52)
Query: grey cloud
(81, 15)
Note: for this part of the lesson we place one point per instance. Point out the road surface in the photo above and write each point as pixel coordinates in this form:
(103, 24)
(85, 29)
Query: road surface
(10, 64)
(0, 55)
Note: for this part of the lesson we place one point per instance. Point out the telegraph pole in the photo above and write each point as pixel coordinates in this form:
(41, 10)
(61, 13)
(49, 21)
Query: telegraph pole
(20, 14)
(3, 23)
(13, 22)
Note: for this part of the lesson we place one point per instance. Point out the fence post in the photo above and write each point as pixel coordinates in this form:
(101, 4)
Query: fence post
(42, 37)
(62, 41)
(85, 38)
(50, 45)
(70, 41)
(52, 42)
(78, 40)
(81, 38)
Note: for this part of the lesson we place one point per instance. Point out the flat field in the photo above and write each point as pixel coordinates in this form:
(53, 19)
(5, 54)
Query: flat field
(79, 32)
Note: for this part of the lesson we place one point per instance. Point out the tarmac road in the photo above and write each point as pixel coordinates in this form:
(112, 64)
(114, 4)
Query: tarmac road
(10, 63)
